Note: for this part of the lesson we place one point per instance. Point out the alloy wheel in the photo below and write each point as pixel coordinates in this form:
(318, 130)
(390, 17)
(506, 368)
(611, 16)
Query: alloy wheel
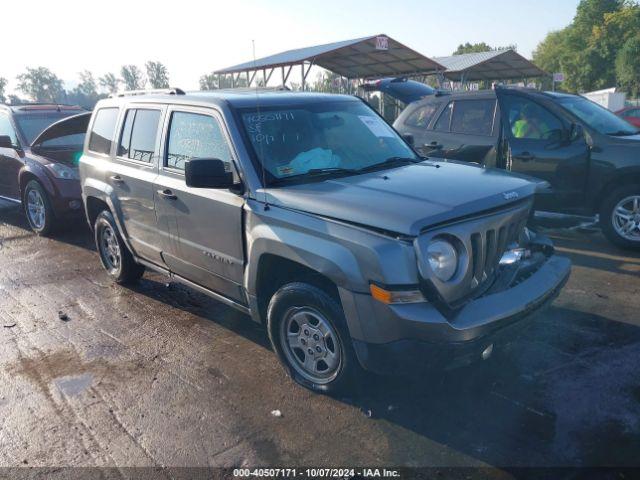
(626, 218)
(36, 209)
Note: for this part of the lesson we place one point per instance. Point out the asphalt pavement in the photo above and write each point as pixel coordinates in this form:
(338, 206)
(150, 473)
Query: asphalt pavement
(95, 374)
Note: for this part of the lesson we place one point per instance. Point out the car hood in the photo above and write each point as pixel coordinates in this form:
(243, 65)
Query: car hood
(408, 199)
(407, 91)
(67, 126)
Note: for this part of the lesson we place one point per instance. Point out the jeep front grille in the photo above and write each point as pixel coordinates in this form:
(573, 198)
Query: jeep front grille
(482, 241)
(488, 246)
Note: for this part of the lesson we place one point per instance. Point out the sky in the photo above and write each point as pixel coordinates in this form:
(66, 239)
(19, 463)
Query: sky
(195, 37)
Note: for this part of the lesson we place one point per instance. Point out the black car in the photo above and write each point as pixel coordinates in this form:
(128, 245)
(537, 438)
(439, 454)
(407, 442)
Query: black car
(589, 156)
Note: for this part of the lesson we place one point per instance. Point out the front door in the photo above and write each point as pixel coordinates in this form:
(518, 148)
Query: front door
(206, 224)
(540, 144)
(10, 161)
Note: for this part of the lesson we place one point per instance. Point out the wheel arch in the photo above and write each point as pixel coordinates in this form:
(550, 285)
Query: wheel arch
(27, 174)
(621, 179)
(95, 194)
(275, 261)
(93, 207)
(275, 271)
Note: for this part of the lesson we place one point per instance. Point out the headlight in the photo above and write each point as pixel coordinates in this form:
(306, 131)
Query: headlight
(443, 259)
(62, 171)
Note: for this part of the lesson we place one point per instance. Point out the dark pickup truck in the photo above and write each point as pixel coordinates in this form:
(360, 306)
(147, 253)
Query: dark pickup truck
(589, 156)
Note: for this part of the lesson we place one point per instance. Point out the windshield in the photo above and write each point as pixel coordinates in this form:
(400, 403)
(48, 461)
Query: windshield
(31, 125)
(598, 117)
(322, 139)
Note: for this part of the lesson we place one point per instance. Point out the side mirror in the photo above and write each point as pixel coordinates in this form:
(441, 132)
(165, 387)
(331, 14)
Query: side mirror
(409, 139)
(5, 142)
(207, 173)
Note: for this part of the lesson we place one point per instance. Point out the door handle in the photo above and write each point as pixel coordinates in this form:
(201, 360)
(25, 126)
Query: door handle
(116, 179)
(434, 145)
(525, 156)
(168, 194)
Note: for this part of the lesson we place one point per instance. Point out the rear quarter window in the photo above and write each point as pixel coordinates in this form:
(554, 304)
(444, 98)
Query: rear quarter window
(103, 130)
(421, 116)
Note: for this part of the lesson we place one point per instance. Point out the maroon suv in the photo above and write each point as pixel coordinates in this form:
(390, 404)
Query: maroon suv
(40, 145)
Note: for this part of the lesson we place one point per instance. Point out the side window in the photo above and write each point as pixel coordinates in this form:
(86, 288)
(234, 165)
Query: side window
(103, 130)
(473, 117)
(139, 133)
(6, 129)
(421, 116)
(530, 120)
(442, 125)
(194, 135)
(634, 113)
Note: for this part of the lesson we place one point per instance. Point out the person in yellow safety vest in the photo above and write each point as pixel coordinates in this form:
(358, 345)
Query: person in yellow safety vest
(529, 125)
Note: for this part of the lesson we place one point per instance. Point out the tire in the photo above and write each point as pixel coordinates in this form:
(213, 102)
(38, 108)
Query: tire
(321, 328)
(614, 206)
(116, 258)
(38, 209)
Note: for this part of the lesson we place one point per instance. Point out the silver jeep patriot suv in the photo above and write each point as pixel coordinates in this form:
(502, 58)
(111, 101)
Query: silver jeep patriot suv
(309, 213)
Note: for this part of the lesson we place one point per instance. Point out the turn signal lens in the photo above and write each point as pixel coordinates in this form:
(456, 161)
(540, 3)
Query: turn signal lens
(396, 296)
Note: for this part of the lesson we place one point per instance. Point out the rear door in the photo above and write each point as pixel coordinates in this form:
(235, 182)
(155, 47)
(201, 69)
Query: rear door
(466, 130)
(133, 174)
(10, 161)
(540, 144)
(416, 120)
(473, 134)
(206, 224)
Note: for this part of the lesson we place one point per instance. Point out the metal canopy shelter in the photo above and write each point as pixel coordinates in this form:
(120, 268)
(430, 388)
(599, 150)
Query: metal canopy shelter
(368, 57)
(495, 65)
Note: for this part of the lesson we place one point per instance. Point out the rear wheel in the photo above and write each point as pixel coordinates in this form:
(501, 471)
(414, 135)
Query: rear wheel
(308, 332)
(114, 254)
(37, 208)
(620, 217)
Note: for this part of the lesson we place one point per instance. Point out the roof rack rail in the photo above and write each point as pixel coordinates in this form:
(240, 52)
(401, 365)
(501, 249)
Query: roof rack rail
(167, 91)
(26, 103)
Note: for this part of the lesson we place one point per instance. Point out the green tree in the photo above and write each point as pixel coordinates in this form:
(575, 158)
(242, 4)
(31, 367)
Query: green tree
(109, 82)
(209, 81)
(41, 85)
(132, 77)
(157, 74)
(628, 66)
(3, 86)
(479, 47)
(586, 50)
(327, 82)
(86, 93)
(87, 85)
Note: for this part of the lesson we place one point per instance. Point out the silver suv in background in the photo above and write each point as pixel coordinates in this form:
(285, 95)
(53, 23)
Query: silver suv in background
(310, 214)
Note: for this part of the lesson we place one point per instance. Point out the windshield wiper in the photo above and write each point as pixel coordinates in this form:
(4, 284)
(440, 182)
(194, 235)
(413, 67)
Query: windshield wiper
(315, 172)
(389, 162)
(623, 133)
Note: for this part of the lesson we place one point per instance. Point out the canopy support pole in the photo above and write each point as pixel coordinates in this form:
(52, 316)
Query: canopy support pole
(286, 77)
(250, 80)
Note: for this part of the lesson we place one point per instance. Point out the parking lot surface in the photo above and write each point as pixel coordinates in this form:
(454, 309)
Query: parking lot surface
(95, 374)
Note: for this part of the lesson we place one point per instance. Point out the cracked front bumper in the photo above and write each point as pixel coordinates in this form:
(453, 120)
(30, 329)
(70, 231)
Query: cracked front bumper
(391, 337)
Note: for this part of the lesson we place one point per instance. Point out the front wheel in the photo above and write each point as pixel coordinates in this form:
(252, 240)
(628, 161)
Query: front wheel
(114, 254)
(620, 217)
(37, 208)
(308, 332)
